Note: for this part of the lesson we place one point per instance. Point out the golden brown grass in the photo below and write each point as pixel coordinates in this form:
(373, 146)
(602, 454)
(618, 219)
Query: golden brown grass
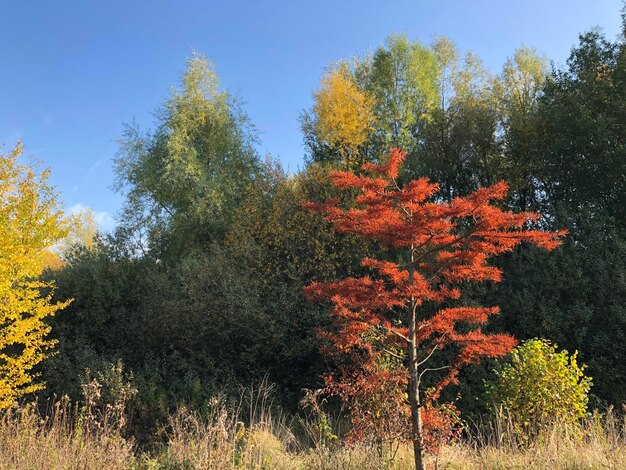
(72, 438)
(30, 441)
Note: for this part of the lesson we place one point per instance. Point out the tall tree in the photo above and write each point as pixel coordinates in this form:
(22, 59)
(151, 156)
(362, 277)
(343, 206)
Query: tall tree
(582, 141)
(409, 306)
(576, 161)
(443, 110)
(402, 78)
(343, 115)
(184, 180)
(398, 83)
(31, 222)
(457, 144)
(518, 90)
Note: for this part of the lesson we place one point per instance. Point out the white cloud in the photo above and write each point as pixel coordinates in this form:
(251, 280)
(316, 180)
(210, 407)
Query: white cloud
(105, 221)
(77, 208)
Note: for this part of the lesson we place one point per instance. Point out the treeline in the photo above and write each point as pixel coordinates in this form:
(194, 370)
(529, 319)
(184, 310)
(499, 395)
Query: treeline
(200, 289)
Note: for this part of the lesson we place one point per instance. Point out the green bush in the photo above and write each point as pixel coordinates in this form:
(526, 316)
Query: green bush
(540, 386)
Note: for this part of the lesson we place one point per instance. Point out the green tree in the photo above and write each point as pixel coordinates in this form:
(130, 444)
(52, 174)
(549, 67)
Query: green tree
(185, 330)
(184, 180)
(518, 90)
(575, 299)
(563, 154)
(458, 145)
(442, 110)
(401, 79)
(282, 247)
(576, 163)
(583, 139)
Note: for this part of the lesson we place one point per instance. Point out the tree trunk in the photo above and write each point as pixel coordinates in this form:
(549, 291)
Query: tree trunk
(414, 395)
(414, 402)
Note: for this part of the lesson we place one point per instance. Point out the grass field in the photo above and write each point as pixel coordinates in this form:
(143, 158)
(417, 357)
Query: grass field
(91, 438)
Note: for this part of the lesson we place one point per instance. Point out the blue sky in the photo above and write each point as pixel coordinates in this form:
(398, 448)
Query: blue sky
(72, 72)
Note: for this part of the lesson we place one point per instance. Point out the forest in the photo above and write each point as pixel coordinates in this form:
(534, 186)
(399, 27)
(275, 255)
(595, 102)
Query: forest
(243, 316)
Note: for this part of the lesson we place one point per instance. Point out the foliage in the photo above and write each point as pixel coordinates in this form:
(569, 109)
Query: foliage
(575, 300)
(184, 180)
(438, 246)
(540, 386)
(402, 77)
(555, 137)
(518, 90)
(283, 247)
(581, 114)
(201, 288)
(31, 222)
(344, 114)
(82, 230)
(395, 88)
(574, 136)
(376, 401)
(460, 125)
(185, 332)
(458, 144)
(206, 317)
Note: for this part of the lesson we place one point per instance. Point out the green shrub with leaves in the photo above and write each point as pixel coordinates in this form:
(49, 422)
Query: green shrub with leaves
(540, 386)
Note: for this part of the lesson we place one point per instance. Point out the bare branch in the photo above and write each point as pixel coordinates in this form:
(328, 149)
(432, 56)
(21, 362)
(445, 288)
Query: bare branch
(433, 369)
(423, 361)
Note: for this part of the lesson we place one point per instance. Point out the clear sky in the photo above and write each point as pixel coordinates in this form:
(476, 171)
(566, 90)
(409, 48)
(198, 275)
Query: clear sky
(72, 72)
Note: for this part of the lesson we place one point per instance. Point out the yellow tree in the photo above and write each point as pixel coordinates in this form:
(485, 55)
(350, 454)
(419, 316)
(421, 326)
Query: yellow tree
(31, 222)
(82, 229)
(344, 114)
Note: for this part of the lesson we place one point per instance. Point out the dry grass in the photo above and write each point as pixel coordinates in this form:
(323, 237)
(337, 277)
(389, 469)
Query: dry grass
(92, 439)
(597, 442)
(60, 441)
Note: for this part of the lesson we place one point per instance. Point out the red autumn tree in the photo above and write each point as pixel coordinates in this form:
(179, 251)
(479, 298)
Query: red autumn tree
(395, 323)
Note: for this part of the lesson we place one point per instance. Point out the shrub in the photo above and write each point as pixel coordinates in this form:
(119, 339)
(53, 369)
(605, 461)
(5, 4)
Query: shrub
(540, 386)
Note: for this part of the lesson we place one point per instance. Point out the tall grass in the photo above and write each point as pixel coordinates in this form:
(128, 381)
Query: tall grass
(598, 441)
(252, 435)
(62, 438)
